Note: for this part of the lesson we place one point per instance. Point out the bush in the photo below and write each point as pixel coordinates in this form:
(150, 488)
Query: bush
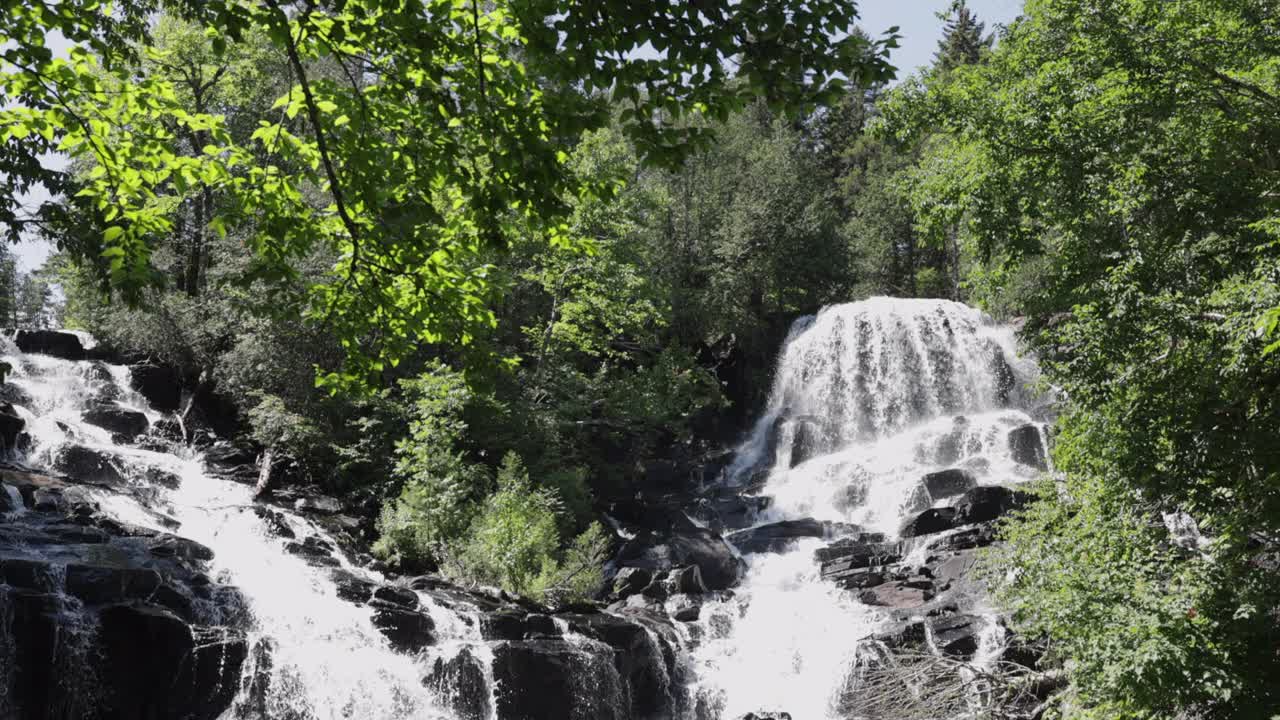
(441, 488)
(514, 543)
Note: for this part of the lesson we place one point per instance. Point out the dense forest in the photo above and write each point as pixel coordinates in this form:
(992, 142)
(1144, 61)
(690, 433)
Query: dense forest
(481, 268)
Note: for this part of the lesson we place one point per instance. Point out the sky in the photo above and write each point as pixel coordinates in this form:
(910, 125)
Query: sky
(917, 23)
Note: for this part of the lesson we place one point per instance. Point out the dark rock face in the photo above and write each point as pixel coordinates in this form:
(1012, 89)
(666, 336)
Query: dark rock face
(50, 342)
(933, 520)
(766, 716)
(956, 635)
(550, 680)
(460, 683)
(986, 503)
(159, 384)
(109, 621)
(900, 594)
(123, 423)
(11, 426)
(775, 537)
(141, 645)
(857, 563)
(716, 560)
(806, 440)
(948, 483)
(1026, 448)
(88, 465)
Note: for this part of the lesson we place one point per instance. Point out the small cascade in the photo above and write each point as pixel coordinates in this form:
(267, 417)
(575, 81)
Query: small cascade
(313, 655)
(880, 410)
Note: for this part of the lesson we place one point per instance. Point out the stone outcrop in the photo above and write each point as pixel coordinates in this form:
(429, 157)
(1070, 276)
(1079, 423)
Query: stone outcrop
(108, 620)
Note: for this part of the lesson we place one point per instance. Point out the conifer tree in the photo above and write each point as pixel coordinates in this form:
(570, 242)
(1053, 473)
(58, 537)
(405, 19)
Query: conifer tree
(962, 40)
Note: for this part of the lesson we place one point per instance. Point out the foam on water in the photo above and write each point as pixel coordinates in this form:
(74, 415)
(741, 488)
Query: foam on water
(868, 397)
(327, 660)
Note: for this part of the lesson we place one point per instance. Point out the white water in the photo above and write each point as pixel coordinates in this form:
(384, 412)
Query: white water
(879, 386)
(328, 661)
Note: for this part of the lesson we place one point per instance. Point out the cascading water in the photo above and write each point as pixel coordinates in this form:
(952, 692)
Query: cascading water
(868, 398)
(318, 656)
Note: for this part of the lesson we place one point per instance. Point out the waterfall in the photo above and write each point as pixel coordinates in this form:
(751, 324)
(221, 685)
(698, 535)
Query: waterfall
(314, 656)
(868, 398)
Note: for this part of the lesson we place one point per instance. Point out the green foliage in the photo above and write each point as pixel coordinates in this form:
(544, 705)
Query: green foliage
(440, 132)
(514, 543)
(441, 486)
(1111, 163)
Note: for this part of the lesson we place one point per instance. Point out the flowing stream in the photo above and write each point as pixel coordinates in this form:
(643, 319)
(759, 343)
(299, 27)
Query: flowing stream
(868, 397)
(327, 660)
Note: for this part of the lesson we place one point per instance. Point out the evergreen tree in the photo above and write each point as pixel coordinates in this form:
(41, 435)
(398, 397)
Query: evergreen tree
(962, 40)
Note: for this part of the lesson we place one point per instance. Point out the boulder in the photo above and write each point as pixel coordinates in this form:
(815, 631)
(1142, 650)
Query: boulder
(318, 505)
(630, 581)
(50, 342)
(407, 630)
(968, 538)
(154, 665)
(683, 608)
(900, 594)
(686, 580)
(716, 560)
(11, 426)
(777, 536)
(933, 520)
(857, 563)
(948, 483)
(159, 384)
(1025, 446)
(987, 503)
(956, 635)
(766, 716)
(88, 465)
(459, 682)
(730, 512)
(556, 680)
(121, 422)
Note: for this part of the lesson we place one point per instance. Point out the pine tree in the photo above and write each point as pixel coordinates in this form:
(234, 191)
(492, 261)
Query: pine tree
(962, 40)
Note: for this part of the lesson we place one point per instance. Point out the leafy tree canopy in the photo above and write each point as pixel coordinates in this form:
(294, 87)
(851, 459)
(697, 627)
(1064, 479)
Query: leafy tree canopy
(435, 131)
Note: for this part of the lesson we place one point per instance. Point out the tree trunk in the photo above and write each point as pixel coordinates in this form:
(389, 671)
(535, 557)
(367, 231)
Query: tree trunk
(263, 487)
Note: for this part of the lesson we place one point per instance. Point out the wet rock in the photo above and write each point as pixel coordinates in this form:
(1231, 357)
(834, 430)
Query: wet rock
(64, 345)
(318, 504)
(88, 465)
(766, 716)
(352, 588)
(906, 634)
(630, 581)
(901, 594)
(406, 629)
(730, 512)
(47, 500)
(141, 644)
(11, 425)
(933, 520)
(775, 537)
(948, 483)
(719, 565)
(986, 503)
(555, 680)
(957, 635)
(123, 423)
(96, 585)
(172, 546)
(684, 608)
(314, 550)
(399, 596)
(966, 539)
(1025, 446)
(459, 682)
(686, 580)
(159, 384)
(14, 395)
(857, 563)
(274, 522)
(168, 429)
